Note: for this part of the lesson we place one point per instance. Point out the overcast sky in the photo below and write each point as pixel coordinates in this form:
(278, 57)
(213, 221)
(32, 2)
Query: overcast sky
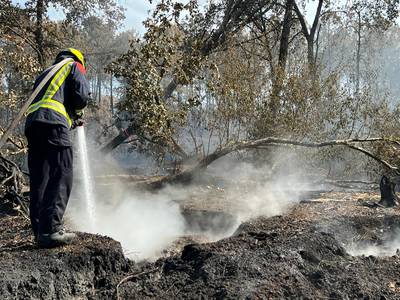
(137, 11)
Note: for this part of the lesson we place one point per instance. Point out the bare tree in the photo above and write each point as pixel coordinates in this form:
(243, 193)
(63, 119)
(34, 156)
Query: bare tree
(311, 35)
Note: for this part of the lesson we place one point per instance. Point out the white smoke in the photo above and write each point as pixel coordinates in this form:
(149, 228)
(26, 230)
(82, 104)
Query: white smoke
(147, 223)
(388, 246)
(260, 190)
(144, 223)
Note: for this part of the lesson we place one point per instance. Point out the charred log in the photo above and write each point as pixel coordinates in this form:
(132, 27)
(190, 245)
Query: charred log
(119, 139)
(388, 194)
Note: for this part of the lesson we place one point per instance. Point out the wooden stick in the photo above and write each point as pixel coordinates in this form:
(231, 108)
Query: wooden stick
(134, 275)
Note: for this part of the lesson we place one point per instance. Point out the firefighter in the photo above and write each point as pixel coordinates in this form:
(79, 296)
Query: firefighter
(56, 110)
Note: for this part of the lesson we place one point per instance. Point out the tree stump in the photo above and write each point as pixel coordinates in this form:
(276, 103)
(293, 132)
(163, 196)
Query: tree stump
(388, 194)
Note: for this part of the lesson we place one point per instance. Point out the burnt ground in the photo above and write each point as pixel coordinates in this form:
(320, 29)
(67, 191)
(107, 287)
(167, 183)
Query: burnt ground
(86, 270)
(304, 254)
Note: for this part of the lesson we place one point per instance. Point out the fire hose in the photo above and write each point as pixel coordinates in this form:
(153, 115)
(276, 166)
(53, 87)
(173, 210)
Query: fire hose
(53, 70)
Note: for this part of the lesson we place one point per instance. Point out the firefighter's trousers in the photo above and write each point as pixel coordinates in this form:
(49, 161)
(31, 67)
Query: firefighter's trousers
(51, 173)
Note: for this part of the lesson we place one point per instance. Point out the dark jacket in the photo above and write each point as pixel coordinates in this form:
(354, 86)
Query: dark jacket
(73, 94)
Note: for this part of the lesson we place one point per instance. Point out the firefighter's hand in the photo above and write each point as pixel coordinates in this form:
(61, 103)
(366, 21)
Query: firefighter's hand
(80, 113)
(77, 122)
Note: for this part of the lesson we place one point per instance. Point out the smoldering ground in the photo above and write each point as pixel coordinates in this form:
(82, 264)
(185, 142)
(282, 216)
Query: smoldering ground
(376, 233)
(231, 191)
(147, 222)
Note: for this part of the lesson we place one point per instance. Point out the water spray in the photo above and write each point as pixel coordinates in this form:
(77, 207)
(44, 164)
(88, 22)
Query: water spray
(87, 179)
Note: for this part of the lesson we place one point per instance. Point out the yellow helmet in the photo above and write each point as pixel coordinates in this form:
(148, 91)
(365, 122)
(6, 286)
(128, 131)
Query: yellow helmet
(76, 54)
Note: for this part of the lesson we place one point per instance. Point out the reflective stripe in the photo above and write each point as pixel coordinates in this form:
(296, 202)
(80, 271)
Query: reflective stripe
(57, 81)
(51, 104)
(54, 86)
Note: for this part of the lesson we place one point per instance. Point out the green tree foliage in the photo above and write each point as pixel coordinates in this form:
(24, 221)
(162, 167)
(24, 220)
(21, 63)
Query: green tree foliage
(179, 39)
(203, 77)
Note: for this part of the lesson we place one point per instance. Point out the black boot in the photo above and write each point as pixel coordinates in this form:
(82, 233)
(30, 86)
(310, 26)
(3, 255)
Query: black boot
(55, 239)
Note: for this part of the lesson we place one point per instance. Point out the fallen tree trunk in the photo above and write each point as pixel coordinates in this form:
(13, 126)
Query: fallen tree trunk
(346, 184)
(119, 139)
(186, 176)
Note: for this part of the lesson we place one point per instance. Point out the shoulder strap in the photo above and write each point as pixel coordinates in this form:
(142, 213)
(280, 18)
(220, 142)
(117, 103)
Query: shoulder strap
(23, 109)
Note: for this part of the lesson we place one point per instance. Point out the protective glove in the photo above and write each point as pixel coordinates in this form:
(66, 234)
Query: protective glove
(77, 122)
(79, 113)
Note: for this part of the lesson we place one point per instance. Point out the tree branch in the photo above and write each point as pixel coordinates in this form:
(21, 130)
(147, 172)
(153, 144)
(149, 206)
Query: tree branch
(316, 18)
(187, 175)
(301, 19)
